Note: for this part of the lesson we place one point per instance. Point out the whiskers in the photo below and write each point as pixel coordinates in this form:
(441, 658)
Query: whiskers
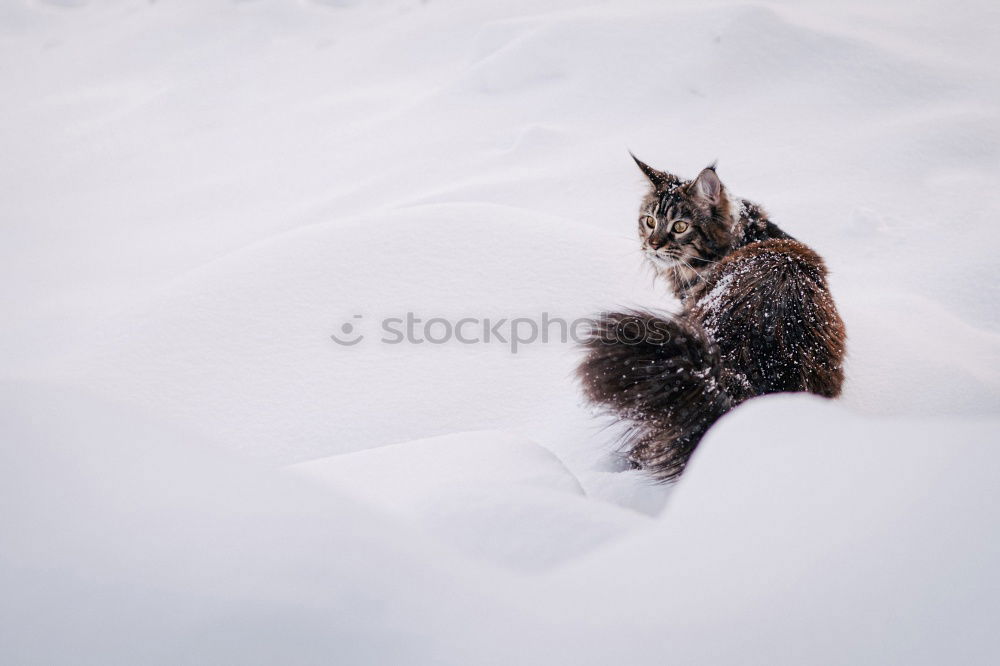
(688, 284)
(678, 269)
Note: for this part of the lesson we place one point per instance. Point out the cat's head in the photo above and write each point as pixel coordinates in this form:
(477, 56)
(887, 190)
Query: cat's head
(684, 226)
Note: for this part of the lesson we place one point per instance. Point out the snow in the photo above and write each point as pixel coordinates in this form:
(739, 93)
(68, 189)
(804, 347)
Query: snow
(196, 196)
(492, 495)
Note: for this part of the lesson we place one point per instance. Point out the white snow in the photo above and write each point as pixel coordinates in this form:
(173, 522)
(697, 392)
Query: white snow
(196, 196)
(493, 495)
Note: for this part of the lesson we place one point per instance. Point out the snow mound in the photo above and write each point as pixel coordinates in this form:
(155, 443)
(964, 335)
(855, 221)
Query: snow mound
(135, 542)
(241, 349)
(495, 496)
(886, 552)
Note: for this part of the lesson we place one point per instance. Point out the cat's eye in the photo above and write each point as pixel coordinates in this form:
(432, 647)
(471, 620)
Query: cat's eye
(649, 220)
(680, 226)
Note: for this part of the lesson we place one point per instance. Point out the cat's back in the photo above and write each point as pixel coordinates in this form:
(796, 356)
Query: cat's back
(769, 308)
(775, 259)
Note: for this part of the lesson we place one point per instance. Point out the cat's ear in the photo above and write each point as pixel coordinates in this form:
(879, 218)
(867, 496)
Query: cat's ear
(657, 178)
(707, 187)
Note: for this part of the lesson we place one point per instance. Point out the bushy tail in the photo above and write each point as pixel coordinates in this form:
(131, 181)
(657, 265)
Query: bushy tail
(663, 376)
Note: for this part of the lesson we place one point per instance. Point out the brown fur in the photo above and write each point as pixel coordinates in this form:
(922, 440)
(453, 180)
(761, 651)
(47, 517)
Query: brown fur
(757, 318)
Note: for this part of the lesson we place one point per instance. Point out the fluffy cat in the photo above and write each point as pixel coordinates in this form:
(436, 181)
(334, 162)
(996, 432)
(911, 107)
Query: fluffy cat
(757, 317)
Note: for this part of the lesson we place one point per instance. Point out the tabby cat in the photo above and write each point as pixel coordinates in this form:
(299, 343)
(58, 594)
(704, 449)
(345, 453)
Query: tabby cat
(756, 318)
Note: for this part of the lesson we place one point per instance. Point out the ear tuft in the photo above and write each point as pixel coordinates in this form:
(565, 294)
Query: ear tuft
(659, 179)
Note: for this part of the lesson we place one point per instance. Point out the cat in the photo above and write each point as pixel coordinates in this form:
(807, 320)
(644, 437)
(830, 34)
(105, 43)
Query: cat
(756, 317)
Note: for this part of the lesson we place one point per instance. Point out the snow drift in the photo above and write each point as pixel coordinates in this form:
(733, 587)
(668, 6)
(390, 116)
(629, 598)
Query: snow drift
(196, 196)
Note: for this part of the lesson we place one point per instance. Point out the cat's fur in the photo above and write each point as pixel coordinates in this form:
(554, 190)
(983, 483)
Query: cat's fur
(756, 318)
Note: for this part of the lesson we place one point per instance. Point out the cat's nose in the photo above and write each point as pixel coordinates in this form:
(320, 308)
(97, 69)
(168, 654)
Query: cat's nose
(657, 243)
